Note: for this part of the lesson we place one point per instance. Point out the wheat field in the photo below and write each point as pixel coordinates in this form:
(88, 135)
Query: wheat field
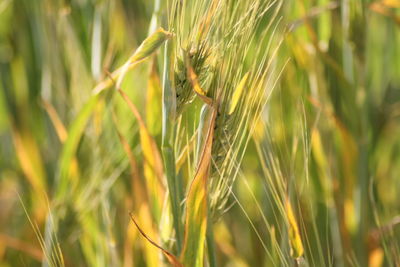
(198, 133)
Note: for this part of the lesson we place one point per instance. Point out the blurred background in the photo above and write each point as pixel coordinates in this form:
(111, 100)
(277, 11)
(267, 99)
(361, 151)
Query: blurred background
(330, 132)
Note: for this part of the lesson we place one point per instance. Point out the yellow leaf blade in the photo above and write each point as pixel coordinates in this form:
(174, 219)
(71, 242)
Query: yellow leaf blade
(296, 244)
(196, 213)
(196, 86)
(153, 167)
(237, 93)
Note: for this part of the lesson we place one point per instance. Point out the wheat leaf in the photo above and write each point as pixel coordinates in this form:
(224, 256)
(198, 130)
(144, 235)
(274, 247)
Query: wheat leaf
(196, 206)
(171, 257)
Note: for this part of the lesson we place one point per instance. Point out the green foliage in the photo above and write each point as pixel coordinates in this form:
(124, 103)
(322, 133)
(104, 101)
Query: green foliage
(199, 133)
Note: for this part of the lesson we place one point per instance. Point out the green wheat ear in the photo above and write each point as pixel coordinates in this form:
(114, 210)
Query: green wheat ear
(197, 56)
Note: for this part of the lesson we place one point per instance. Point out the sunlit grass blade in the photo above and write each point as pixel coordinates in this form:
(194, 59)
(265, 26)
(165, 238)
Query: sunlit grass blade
(296, 244)
(153, 101)
(141, 204)
(71, 145)
(153, 168)
(168, 142)
(55, 119)
(147, 48)
(237, 93)
(52, 255)
(196, 204)
(171, 258)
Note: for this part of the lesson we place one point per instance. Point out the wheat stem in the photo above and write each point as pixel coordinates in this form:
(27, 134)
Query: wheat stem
(168, 151)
